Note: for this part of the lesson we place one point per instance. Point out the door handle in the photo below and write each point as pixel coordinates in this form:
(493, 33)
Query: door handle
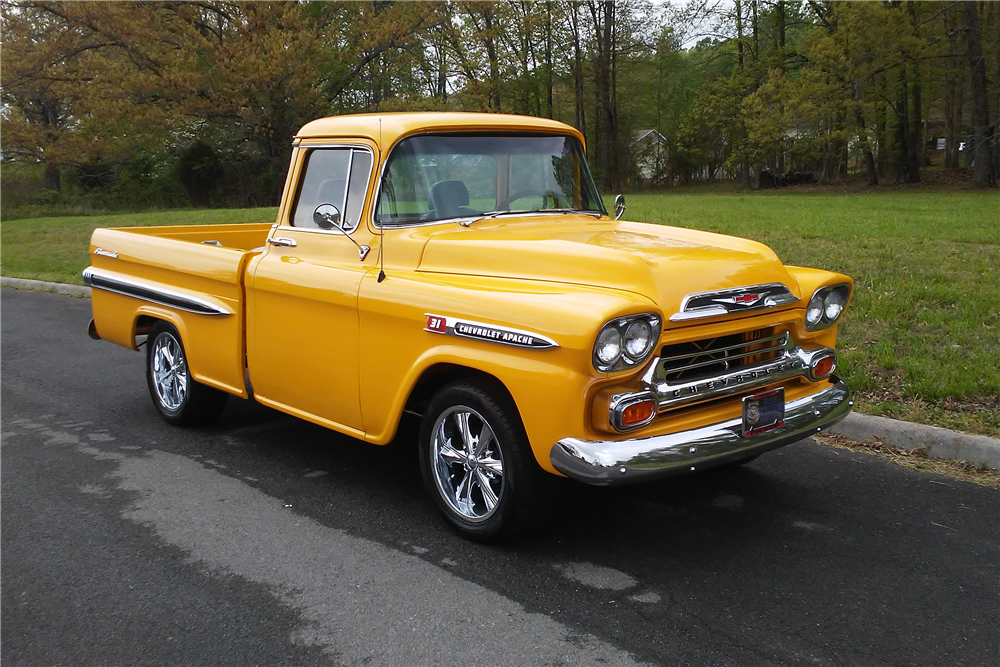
(283, 242)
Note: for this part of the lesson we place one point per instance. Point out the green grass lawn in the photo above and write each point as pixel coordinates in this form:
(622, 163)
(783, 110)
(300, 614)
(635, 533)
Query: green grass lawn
(921, 340)
(56, 248)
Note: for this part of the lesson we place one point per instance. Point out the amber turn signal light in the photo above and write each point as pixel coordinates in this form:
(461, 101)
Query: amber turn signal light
(823, 367)
(637, 413)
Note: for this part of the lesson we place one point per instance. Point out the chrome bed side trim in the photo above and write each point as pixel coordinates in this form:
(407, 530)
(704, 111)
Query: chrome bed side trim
(112, 282)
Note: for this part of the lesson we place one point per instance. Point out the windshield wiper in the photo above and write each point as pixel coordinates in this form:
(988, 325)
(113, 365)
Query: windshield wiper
(489, 214)
(569, 210)
(494, 214)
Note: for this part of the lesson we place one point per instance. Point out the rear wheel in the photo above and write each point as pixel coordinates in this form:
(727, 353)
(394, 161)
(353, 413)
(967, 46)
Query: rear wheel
(477, 464)
(181, 400)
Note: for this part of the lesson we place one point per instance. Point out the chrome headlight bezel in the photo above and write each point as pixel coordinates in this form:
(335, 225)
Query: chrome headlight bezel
(625, 360)
(834, 293)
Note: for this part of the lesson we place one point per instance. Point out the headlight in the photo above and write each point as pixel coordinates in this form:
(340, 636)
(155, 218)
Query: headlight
(626, 342)
(814, 313)
(826, 306)
(833, 305)
(638, 338)
(609, 346)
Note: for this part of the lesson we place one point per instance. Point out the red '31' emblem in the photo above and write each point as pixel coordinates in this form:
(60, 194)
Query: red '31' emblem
(437, 323)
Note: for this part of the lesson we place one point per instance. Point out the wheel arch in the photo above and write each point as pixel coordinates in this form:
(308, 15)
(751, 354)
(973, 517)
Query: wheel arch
(146, 318)
(441, 374)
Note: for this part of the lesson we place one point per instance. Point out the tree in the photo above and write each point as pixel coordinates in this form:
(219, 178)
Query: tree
(983, 131)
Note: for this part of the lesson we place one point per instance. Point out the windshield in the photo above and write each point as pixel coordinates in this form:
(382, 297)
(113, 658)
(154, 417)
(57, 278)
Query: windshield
(438, 177)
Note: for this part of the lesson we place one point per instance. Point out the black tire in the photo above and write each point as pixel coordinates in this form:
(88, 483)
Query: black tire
(179, 399)
(504, 467)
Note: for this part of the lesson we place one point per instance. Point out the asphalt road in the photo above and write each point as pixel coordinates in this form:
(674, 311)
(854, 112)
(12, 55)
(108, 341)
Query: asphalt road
(266, 540)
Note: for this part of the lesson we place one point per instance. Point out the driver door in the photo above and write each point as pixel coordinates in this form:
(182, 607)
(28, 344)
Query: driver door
(302, 325)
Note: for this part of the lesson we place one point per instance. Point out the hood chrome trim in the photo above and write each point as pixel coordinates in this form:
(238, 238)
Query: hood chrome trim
(727, 301)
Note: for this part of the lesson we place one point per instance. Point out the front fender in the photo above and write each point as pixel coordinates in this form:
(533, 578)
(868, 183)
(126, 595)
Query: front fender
(550, 386)
(809, 281)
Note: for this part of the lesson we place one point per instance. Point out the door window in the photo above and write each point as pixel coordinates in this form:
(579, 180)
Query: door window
(325, 181)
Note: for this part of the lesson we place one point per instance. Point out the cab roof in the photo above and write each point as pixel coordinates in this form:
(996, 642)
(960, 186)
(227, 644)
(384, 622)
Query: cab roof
(387, 128)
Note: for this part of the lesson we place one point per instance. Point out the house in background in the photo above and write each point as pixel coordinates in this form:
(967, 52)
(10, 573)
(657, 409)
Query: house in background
(650, 154)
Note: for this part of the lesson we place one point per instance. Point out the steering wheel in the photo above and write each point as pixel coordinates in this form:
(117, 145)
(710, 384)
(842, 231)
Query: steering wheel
(543, 194)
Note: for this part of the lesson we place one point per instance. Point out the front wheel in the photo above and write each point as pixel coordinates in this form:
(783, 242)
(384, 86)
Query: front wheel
(179, 398)
(477, 464)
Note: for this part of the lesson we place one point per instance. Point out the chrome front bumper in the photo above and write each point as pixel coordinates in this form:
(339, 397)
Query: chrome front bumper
(617, 462)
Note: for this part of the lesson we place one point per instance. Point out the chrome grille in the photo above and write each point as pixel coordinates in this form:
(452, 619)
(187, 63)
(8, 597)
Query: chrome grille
(714, 356)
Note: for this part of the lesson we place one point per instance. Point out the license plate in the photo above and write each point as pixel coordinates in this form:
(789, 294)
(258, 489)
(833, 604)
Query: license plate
(763, 412)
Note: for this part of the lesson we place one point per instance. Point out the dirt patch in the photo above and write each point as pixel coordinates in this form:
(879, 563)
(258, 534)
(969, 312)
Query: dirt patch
(930, 179)
(916, 459)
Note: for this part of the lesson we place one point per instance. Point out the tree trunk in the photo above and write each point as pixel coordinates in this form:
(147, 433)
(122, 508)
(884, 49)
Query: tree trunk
(982, 132)
(951, 104)
(525, 95)
(739, 34)
(952, 97)
(882, 139)
(548, 59)
(917, 147)
(50, 115)
(603, 16)
(781, 31)
(52, 177)
(993, 19)
(870, 170)
(491, 53)
(842, 148)
(614, 146)
(902, 128)
(580, 107)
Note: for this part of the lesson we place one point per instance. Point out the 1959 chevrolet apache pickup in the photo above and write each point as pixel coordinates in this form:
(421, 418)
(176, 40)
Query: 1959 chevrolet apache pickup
(462, 267)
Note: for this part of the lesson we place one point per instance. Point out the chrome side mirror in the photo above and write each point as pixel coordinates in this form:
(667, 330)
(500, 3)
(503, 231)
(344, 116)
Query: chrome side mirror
(327, 216)
(619, 206)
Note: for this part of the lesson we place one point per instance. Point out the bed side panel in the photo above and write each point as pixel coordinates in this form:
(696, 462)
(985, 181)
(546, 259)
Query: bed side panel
(199, 288)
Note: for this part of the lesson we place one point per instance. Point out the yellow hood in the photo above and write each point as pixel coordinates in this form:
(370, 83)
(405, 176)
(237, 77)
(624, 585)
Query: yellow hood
(663, 264)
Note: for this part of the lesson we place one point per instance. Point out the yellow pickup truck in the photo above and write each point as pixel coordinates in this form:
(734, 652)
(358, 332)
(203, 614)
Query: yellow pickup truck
(462, 268)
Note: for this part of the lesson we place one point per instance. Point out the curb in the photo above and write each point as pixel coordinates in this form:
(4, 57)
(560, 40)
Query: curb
(78, 291)
(938, 442)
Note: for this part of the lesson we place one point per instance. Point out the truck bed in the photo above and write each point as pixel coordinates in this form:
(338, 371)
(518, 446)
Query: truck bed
(191, 276)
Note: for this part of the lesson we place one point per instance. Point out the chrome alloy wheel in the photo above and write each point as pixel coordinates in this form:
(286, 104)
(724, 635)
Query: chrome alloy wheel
(169, 372)
(467, 463)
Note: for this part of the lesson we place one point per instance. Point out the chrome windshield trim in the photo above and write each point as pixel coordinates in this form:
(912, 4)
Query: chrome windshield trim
(725, 301)
(111, 282)
(618, 462)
